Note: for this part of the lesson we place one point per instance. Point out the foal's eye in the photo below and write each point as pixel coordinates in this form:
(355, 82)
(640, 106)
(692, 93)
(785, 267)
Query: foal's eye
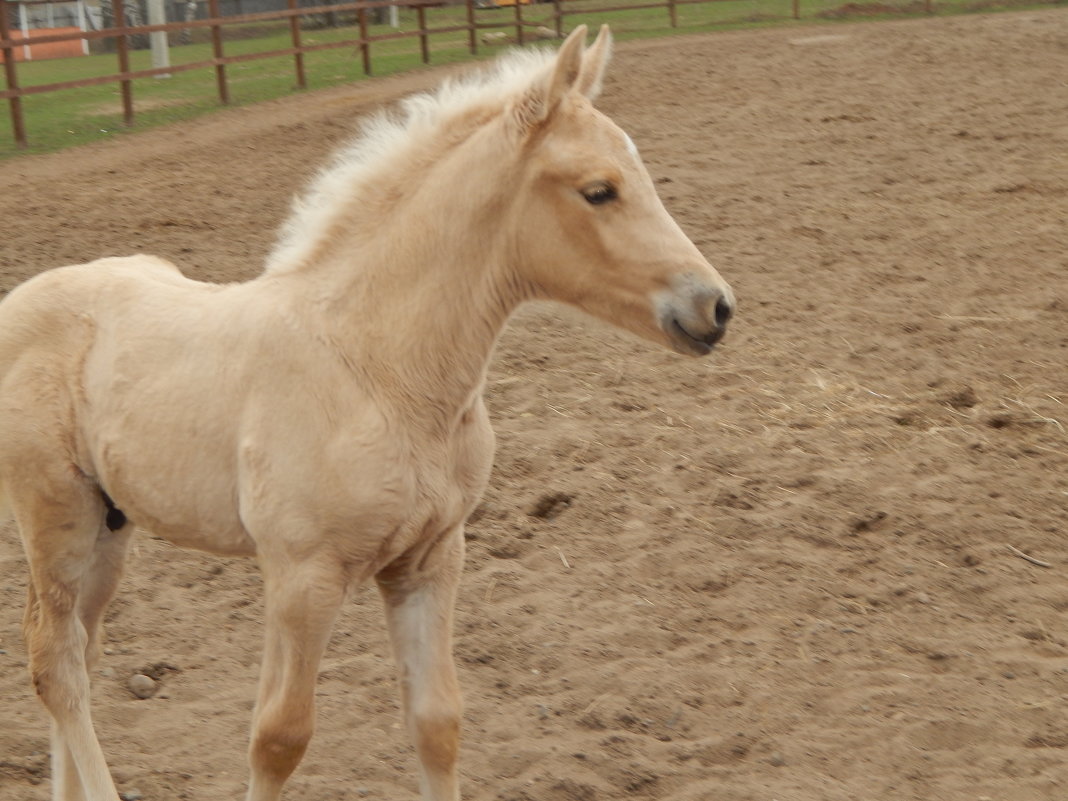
(599, 193)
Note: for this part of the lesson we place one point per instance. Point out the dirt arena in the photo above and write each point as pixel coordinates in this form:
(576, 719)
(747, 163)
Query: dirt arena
(785, 573)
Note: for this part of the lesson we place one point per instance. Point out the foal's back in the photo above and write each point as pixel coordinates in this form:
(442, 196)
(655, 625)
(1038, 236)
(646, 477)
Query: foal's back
(172, 395)
(54, 317)
(77, 341)
(49, 327)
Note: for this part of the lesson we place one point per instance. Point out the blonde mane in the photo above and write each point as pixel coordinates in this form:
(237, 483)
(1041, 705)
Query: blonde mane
(386, 141)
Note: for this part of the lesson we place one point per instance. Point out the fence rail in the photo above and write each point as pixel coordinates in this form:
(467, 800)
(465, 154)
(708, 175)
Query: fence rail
(557, 10)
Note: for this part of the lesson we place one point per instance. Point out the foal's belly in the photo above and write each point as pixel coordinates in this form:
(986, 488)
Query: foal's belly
(190, 525)
(229, 542)
(189, 499)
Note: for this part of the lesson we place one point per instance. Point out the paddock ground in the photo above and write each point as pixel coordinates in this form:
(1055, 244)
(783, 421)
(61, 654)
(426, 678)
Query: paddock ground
(781, 573)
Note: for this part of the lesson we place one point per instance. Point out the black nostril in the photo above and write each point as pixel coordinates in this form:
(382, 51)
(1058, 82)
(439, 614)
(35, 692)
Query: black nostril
(724, 310)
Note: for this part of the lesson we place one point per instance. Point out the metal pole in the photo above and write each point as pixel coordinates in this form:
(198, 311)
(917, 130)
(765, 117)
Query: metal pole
(161, 54)
(18, 125)
(217, 49)
(83, 23)
(122, 48)
(24, 26)
(294, 32)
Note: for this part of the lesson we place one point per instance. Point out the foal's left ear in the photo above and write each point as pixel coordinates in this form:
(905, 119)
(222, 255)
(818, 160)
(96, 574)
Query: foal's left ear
(568, 66)
(591, 75)
(541, 99)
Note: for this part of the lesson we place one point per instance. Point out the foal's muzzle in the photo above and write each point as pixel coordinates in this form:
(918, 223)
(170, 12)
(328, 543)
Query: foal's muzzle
(695, 316)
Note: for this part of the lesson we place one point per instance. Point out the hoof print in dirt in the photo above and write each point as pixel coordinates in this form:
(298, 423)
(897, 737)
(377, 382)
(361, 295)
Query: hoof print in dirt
(550, 505)
(961, 398)
(506, 551)
(868, 521)
(999, 421)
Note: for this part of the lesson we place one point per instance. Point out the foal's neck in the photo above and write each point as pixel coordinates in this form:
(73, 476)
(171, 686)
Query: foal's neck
(415, 286)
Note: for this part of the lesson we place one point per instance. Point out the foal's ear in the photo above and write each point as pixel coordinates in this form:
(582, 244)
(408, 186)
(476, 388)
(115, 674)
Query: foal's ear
(591, 75)
(541, 99)
(568, 66)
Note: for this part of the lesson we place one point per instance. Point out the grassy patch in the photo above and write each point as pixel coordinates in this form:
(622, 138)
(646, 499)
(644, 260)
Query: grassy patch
(74, 116)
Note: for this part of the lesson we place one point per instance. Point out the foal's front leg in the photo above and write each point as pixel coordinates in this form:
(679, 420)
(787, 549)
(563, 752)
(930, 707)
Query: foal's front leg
(302, 600)
(419, 595)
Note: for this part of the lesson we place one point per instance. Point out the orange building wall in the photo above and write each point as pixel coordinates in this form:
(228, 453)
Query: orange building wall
(49, 49)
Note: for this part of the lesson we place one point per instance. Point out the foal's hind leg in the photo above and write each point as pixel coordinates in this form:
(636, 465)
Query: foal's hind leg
(98, 587)
(100, 583)
(60, 529)
(419, 594)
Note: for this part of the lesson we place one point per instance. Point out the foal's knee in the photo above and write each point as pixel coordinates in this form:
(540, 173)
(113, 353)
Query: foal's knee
(56, 661)
(61, 686)
(437, 738)
(278, 746)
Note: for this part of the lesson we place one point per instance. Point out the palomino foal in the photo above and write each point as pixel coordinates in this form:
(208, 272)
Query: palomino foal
(327, 417)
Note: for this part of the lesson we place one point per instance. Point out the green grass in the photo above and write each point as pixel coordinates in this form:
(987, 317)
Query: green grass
(55, 120)
(68, 117)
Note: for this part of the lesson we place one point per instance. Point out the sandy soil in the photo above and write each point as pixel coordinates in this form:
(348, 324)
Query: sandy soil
(783, 573)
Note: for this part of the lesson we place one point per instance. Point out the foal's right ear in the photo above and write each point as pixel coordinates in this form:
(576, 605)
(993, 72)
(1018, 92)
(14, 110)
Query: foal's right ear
(540, 100)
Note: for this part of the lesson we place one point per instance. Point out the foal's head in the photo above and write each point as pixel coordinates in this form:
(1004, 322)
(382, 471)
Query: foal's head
(591, 230)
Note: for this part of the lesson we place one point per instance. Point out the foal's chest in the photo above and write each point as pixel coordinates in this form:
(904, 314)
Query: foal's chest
(453, 485)
(448, 482)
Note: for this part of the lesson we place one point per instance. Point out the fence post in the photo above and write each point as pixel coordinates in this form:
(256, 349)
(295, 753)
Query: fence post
(519, 23)
(365, 46)
(673, 12)
(797, 9)
(558, 15)
(294, 32)
(472, 28)
(424, 45)
(18, 125)
(217, 49)
(118, 11)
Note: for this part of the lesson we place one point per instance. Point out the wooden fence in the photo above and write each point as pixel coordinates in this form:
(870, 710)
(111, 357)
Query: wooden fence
(292, 14)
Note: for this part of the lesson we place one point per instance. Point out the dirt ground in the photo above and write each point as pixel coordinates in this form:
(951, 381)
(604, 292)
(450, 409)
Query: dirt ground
(785, 573)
